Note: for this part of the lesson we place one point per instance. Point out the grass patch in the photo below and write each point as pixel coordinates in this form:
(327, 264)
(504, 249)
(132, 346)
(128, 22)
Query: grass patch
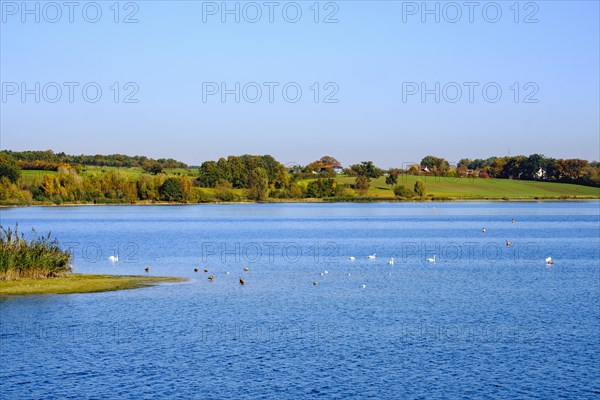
(79, 283)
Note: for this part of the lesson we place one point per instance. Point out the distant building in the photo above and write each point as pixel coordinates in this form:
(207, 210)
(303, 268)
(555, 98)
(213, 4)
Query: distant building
(539, 174)
(336, 169)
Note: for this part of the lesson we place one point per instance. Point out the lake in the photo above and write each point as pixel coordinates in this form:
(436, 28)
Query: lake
(486, 320)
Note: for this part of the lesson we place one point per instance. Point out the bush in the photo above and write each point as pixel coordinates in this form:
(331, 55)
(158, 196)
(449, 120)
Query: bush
(362, 184)
(200, 196)
(11, 194)
(223, 191)
(420, 188)
(171, 190)
(404, 192)
(321, 188)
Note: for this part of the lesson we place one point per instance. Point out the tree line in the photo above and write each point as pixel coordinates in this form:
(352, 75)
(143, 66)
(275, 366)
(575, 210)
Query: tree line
(249, 177)
(532, 167)
(50, 161)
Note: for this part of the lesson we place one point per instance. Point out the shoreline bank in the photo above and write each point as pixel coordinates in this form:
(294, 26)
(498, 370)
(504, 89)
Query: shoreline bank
(80, 283)
(440, 199)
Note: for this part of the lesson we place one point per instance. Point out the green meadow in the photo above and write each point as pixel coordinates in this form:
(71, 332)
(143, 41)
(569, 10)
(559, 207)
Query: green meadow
(31, 177)
(478, 188)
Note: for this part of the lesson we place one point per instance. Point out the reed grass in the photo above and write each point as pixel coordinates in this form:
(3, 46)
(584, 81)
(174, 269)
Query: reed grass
(40, 257)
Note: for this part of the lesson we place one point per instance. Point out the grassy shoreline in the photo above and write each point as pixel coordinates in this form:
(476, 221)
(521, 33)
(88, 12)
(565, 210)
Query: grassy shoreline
(323, 200)
(80, 283)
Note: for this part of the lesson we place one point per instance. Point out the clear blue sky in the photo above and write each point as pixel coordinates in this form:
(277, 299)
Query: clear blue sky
(369, 53)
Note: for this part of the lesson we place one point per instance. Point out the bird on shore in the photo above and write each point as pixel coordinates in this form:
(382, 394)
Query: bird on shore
(512, 221)
(549, 261)
(147, 269)
(483, 230)
(246, 269)
(315, 283)
(196, 269)
(210, 278)
(242, 281)
(205, 269)
(507, 243)
(113, 259)
(363, 286)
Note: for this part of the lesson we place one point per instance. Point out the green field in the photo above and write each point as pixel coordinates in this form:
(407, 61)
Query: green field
(477, 188)
(79, 283)
(35, 177)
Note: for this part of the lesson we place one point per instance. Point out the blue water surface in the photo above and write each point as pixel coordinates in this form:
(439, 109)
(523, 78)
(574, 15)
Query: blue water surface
(486, 320)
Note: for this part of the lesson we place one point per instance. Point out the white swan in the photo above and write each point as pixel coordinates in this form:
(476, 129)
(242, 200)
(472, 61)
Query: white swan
(113, 259)
(351, 258)
(431, 260)
(391, 262)
(372, 256)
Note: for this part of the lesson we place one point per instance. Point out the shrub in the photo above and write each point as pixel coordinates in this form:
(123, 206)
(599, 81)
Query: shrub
(403, 191)
(321, 188)
(223, 190)
(420, 188)
(171, 190)
(362, 184)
